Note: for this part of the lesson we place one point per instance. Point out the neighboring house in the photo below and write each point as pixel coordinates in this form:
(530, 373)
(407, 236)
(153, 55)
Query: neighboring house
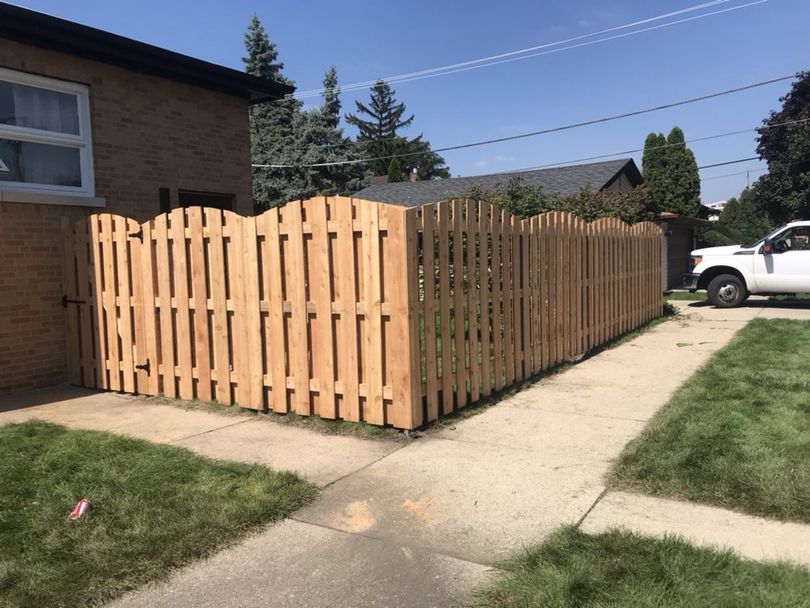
(612, 175)
(711, 211)
(91, 120)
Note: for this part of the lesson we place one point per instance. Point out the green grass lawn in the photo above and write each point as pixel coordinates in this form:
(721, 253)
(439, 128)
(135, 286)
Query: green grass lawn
(737, 433)
(623, 570)
(698, 296)
(155, 508)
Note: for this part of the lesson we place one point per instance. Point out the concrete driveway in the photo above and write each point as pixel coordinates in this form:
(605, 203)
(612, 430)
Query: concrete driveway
(420, 523)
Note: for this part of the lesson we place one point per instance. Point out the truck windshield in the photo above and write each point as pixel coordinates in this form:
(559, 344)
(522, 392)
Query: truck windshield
(760, 240)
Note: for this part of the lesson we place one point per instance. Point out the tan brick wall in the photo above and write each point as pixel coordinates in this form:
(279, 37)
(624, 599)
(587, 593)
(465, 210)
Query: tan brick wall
(148, 133)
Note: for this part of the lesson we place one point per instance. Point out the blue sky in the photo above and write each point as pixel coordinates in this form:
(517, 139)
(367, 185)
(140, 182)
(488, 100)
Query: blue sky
(366, 40)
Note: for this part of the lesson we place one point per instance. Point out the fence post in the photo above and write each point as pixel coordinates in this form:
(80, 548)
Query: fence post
(403, 349)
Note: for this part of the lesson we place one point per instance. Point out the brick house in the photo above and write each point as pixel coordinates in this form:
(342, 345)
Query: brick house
(94, 121)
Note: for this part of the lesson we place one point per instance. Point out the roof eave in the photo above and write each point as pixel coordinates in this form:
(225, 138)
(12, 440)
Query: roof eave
(38, 29)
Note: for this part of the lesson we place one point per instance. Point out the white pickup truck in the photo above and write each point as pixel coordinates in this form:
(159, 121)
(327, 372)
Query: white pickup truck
(777, 263)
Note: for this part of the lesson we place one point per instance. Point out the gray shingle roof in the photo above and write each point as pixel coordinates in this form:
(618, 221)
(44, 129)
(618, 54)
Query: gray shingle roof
(561, 181)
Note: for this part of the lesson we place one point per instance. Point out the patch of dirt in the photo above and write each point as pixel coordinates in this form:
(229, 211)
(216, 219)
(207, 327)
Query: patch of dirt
(357, 517)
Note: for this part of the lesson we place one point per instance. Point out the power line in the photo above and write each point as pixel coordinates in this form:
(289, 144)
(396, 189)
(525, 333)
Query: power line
(536, 51)
(729, 162)
(661, 146)
(540, 132)
(705, 179)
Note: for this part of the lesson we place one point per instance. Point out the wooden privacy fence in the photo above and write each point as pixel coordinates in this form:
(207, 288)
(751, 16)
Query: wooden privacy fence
(346, 308)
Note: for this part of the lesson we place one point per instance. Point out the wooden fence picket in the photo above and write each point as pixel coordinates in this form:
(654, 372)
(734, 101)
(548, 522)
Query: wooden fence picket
(199, 294)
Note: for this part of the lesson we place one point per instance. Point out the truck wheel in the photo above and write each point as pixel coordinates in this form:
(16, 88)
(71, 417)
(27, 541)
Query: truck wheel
(727, 291)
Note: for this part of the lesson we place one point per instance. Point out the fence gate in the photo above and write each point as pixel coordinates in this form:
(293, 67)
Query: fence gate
(105, 312)
(301, 308)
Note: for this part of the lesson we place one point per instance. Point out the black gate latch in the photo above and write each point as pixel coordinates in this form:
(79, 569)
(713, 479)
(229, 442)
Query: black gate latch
(66, 301)
(145, 367)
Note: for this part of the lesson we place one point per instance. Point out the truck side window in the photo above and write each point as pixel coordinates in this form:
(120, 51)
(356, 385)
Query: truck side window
(797, 239)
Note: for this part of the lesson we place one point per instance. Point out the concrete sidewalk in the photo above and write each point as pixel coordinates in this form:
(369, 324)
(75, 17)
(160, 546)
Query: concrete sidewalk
(421, 523)
(752, 537)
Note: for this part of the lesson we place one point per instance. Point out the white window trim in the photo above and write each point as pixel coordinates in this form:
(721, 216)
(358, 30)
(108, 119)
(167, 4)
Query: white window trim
(83, 141)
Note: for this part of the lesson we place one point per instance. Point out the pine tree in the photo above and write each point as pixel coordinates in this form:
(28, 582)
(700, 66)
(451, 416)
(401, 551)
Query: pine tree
(654, 165)
(272, 125)
(321, 140)
(379, 124)
(331, 98)
(262, 56)
(394, 172)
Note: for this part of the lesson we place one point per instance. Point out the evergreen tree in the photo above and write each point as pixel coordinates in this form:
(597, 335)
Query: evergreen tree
(273, 124)
(262, 56)
(321, 140)
(394, 172)
(331, 98)
(784, 192)
(378, 133)
(427, 163)
(671, 174)
(680, 190)
(654, 165)
(379, 123)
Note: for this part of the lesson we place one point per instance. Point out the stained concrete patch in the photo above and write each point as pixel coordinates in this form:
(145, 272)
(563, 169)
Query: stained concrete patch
(319, 458)
(753, 537)
(471, 501)
(298, 565)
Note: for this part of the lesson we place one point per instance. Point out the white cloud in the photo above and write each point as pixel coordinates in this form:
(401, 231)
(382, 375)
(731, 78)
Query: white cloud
(481, 164)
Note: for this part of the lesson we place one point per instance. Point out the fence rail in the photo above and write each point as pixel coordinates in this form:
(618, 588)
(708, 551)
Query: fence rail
(346, 308)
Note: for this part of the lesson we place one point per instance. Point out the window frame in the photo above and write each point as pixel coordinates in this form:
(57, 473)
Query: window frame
(83, 141)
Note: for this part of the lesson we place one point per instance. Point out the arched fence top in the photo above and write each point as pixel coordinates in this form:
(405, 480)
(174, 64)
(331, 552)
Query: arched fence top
(332, 203)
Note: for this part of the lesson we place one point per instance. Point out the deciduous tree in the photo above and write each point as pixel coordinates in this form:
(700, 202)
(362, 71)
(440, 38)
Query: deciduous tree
(525, 200)
(784, 192)
(739, 222)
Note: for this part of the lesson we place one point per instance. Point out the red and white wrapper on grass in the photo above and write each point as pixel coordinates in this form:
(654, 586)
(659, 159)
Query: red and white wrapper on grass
(79, 509)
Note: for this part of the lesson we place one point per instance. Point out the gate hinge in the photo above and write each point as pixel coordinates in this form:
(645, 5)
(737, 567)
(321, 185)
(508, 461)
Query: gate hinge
(66, 301)
(144, 366)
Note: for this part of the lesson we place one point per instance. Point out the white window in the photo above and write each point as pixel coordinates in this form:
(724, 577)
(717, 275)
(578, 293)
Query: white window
(45, 144)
